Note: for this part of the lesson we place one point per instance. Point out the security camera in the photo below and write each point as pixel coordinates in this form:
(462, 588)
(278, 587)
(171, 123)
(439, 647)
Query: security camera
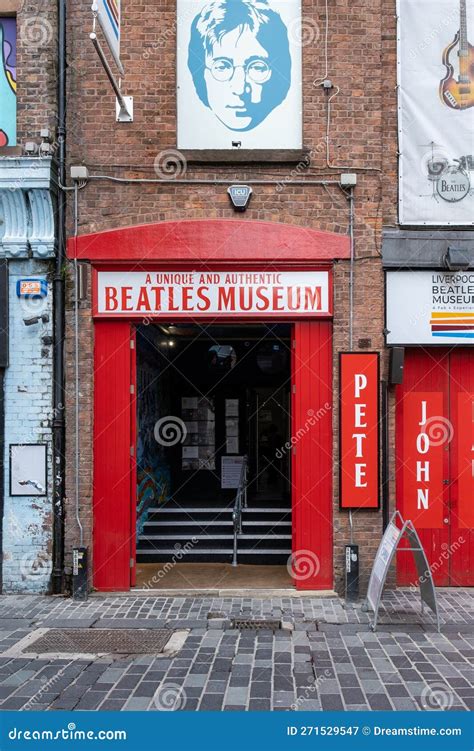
(36, 319)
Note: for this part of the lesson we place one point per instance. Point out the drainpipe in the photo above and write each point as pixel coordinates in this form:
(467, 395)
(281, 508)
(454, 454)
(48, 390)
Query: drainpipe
(351, 307)
(58, 317)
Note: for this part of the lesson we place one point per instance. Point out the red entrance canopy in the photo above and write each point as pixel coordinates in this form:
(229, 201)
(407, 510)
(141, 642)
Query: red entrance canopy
(210, 240)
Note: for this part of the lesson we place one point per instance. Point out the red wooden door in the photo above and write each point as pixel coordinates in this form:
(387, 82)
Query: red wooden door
(113, 531)
(461, 398)
(434, 442)
(312, 455)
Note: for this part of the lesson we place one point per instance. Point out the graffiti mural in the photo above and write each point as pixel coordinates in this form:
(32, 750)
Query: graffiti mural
(8, 82)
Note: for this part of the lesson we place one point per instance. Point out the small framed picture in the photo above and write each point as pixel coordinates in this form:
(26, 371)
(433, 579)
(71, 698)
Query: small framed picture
(28, 469)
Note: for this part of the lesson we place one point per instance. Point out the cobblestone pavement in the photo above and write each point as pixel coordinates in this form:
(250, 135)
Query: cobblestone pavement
(324, 656)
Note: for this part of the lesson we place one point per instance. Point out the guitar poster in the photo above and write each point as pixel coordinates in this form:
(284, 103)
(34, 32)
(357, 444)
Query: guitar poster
(436, 112)
(239, 74)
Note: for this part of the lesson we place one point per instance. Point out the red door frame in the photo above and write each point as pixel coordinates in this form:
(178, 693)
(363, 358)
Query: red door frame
(113, 537)
(216, 244)
(115, 433)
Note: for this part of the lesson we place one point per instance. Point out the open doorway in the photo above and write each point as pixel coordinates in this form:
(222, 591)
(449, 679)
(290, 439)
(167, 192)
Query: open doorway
(210, 398)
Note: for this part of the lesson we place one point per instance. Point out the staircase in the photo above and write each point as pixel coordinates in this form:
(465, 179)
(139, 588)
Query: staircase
(265, 538)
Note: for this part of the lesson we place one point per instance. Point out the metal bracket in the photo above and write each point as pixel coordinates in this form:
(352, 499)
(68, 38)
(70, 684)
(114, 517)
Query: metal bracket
(124, 104)
(124, 109)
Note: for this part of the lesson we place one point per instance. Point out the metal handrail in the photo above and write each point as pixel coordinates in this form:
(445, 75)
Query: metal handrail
(240, 502)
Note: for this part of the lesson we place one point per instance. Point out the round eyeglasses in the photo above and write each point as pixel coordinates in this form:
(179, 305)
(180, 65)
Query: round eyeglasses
(223, 69)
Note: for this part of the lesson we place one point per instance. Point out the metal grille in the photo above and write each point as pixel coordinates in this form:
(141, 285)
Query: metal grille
(95, 640)
(255, 624)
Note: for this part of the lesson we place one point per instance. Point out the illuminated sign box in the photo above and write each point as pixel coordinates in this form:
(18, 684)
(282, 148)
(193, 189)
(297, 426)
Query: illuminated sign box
(430, 307)
(246, 293)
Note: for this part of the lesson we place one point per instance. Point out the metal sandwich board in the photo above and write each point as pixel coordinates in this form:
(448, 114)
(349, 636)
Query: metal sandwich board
(385, 553)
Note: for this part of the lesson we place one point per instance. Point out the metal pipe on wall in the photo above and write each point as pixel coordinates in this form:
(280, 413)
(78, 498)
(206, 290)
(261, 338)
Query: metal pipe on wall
(58, 318)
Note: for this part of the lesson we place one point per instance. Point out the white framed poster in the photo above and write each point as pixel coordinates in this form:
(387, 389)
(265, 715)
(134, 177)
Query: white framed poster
(28, 469)
(430, 307)
(239, 74)
(436, 112)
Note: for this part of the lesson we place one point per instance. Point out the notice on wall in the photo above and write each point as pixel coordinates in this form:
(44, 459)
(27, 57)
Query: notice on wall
(430, 307)
(198, 450)
(425, 434)
(239, 74)
(28, 469)
(436, 112)
(185, 294)
(231, 407)
(231, 469)
(359, 430)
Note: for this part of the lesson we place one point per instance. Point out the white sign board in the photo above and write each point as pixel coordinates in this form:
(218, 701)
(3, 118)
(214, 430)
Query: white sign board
(389, 545)
(430, 307)
(195, 294)
(436, 113)
(28, 469)
(108, 15)
(387, 548)
(231, 471)
(239, 74)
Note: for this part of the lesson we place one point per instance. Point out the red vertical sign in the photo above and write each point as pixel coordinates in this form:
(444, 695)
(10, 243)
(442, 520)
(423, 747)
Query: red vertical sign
(465, 468)
(359, 430)
(426, 433)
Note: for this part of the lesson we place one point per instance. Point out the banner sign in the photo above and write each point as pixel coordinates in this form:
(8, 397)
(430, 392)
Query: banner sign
(465, 452)
(193, 294)
(425, 435)
(239, 73)
(359, 430)
(108, 15)
(430, 307)
(436, 112)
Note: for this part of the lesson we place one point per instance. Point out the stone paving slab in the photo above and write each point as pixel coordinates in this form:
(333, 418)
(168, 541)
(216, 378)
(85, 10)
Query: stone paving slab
(326, 658)
(110, 623)
(12, 624)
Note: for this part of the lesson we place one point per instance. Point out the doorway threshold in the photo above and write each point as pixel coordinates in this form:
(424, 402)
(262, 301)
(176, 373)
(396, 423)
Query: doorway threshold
(219, 580)
(216, 592)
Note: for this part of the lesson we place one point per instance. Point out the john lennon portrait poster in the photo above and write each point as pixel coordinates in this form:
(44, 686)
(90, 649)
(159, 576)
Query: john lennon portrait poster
(239, 74)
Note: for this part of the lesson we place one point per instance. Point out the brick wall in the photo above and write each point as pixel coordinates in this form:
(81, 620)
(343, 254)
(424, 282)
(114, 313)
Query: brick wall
(362, 140)
(27, 524)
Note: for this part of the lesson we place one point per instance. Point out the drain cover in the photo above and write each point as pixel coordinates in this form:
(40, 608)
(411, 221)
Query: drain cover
(94, 641)
(255, 624)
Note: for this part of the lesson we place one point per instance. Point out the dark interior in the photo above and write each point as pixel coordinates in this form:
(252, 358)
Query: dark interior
(208, 396)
